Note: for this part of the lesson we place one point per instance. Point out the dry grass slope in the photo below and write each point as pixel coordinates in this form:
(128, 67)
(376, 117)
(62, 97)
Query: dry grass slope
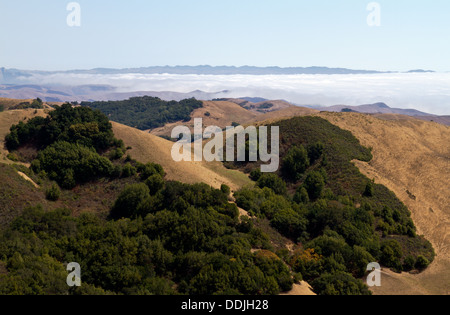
(8, 118)
(9, 102)
(221, 114)
(412, 158)
(150, 148)
(283, 114)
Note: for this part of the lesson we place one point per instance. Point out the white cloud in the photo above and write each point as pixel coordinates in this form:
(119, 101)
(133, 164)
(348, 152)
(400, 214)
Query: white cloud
(429, 92)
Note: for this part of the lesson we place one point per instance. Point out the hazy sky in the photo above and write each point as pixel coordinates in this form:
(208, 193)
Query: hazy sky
(118, 34)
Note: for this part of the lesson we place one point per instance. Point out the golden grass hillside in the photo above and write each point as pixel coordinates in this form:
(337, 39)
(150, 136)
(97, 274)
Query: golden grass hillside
(9, 118)
(412, 158)
(285, 113)
(150, 148)
(214, 113)
(9, 102)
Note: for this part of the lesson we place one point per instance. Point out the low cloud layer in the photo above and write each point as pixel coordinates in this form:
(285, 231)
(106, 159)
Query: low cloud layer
(428, 92)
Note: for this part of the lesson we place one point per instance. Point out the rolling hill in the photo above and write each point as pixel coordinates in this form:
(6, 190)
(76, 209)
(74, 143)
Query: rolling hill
(382, 108)
(411, 158)
(150, 148)
(213, 113)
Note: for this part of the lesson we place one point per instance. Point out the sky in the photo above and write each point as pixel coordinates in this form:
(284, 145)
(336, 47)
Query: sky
(413, 34)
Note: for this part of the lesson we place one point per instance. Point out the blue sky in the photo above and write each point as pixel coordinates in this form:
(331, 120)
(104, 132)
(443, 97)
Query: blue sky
(118, 34)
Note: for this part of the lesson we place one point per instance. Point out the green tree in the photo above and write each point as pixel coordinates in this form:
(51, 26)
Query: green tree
(314, 185)
(339, 284)
(274, 182)
(391, 253)
(422, 263)
(69, 163)
(128, 170)
(301, 195)
(369, 190)
(256, 174)
(225, 189)
(155, 183)
(315, 151)
(53, 193)
(295, 163)
(129, 200)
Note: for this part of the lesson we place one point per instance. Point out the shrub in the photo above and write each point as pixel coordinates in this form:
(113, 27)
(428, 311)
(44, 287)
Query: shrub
(129, 200)
(150, 169)
(256, 174)
(409, 263)
(339, 284)
(369, 191)
(12, 157)
(301, 196)
(274, 182)
(295, 163)
(69, 164)
(116, 154)
(315, 151)
(225, 189)
(289, 223)
(128, 170)
(53, 193)
(155, 183)
(391, 253)
(116, 172)
(422, 263)
(314, 184)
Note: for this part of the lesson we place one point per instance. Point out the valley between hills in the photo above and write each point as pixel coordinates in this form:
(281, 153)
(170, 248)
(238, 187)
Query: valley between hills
(411, 157)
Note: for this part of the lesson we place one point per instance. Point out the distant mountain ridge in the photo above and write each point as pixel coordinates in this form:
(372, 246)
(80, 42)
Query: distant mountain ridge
(382, 108)
(9, 76)
(377, 108)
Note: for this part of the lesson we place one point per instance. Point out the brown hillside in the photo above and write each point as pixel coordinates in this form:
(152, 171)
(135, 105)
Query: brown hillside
(150, 148)
(283, 114)
(261, 107)
(8, 118)
(9, 102)
(146, 148)
(221, 114)
(412, 158)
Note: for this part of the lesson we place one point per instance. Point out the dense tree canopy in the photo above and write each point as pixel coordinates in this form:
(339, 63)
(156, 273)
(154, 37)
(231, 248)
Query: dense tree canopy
(341, 219)
(66, 123)
(186, 239)
(146, 112)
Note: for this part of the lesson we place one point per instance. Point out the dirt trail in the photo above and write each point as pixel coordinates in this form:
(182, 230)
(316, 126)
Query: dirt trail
(24, 176)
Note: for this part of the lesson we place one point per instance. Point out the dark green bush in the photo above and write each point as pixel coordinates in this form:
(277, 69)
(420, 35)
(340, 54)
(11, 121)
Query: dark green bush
(274, 182)
(295, 163)
(69, 164)
(53, 193)
(314, 185)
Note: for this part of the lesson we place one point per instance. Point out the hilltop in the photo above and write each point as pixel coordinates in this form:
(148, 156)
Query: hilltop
(382, 108)
(411, 158)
